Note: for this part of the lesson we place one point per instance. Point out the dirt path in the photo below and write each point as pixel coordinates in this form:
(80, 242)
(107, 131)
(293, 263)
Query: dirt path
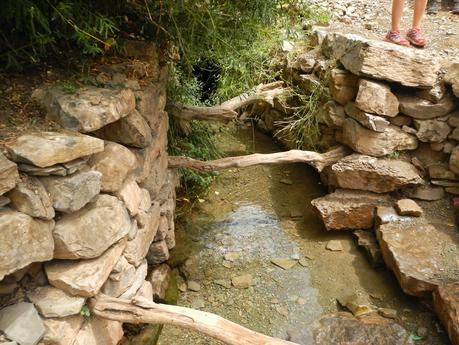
(371, 18)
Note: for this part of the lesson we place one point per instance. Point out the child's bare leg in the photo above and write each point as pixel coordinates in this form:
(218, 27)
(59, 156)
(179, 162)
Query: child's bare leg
(419, 9)
(397, 12)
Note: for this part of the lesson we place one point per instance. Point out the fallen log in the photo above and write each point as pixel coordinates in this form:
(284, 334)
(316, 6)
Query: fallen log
(226, 111)
(140, 310)
(317, 160)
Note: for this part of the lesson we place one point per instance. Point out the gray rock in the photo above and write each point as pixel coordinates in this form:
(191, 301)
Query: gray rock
(131, 130)
(159, 278)
(158, 253)
(137, 282)
(432, 130)
(88, 109)
(343, 86)
(373, 174)
(376, 97)
(157, 177)
(63, 330)
(8, 174)
(74, 233)
(385, 61)
(71, 193)
(21, 323)
(115, 163)
(376, 144)
(120, 279)
(369, 121)
(422, 109)
(63, 169)
(52, 302)
(84, 277)
(30, 197)
(24, 240)
(332, 114)
(131, 194)
(46, 149)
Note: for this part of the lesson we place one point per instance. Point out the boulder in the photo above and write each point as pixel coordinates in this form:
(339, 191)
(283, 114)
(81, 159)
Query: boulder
(88, 109)
(373, 122)
(376, 97)
(21, 323)
(84, 277)
(52, 302)
(422, 109)
(74, 233)
(452, 77)
(415, 250)
(30, 197)
(159, 279)
(46, 149)
(385, 61)
(63, 330)
(427, 193)
(71, 193)
(131, 195)
(432, 130)
(343, 86)
(346, 209)
(158, 253)
(24, 240)
(376, 144)
(115, 163)
(120, 279)
(343, 328)
(132, 130)
(446, 306)
(148, 223)
(375, 175)
(454, 160)
(98, 331)
(332, 114)
(8, 174)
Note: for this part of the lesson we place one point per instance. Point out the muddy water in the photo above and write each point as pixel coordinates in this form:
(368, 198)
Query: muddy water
(254, 215)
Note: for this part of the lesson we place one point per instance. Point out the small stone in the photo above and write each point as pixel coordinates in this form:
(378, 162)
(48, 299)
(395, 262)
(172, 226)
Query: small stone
(285, 264)
(301, 301)
(227, 264)
(334, 246)
(408, 207)
(304, 262)
(182, 287)
(282, 310)
(286, 181)
(422, 332)
(160, 278)
(223, 282)
(193, 286)
(231, 257)
(242, 282)
(387, 313)
(358, 305)
(197, 303)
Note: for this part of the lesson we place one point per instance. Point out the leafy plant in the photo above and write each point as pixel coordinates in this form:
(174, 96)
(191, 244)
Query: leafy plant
(85, 312)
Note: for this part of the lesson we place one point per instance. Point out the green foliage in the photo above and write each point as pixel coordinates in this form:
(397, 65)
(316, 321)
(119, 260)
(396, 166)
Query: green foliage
(394, 155)
(85, 312)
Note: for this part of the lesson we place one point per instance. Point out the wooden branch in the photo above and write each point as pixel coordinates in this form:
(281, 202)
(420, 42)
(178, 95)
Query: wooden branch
(227, 110)
(318, 160)
(141, 310)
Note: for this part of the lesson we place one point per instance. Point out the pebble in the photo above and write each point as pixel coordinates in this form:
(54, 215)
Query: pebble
(242, 282)
(334, 246)
(194, 286)
(304, 262)
(227, 264)
(223, 282)
(387, 313)
(284, 263)
(231, 256)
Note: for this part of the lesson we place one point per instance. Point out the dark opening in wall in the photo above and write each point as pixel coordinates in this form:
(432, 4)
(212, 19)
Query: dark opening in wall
(207, 72)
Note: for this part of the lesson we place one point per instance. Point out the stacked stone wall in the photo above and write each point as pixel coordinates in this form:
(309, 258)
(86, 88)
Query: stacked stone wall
(88, 209)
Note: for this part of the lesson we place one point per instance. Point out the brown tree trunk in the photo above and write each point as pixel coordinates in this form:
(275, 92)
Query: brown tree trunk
(318, 160)
(141, 310)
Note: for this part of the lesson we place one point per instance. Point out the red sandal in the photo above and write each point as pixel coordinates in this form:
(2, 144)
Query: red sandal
(416, 38)
(396, 38)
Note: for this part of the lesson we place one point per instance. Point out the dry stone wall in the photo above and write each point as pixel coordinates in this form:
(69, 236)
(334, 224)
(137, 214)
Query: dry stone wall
(89, 209)
(397, 109)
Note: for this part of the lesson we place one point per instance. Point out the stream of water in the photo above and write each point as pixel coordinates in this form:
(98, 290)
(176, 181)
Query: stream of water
(254, 215)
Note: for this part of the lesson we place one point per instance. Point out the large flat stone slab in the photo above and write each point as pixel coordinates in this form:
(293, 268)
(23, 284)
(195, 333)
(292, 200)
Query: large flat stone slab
(385, 61)
(8, 174)
(373, 174)
(89, 232)
(84, 277)
(348, 209)
(21, 323)
(49, 148)
(376, 144)
(52, 302)
(23, 240)
(422, 255)
(88, 109)
(422, 109)
(446, 306)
